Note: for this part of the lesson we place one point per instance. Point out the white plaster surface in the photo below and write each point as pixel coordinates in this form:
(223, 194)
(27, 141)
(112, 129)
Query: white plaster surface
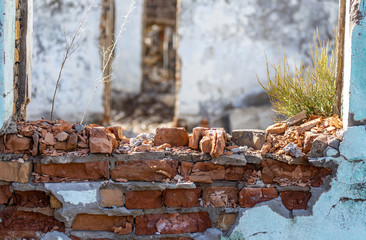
(77, 196)
(127, 72)
(81, 70)
(223, 45)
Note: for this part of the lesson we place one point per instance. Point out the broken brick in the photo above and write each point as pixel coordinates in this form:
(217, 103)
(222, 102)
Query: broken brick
(248, 197)
(295, 199)
(173, 136)
(91, 222)
(220, 196)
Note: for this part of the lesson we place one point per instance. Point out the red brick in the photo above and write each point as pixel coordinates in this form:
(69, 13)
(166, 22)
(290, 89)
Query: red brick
(220, 196)
(101, 140)
(275, 169)
(15, 171)
(89, 222)
(13, 220)
(185, 169)
(5, 194)
(226, 220)
(30, 199)
(295, 200)
(248, 197)
(15, 144)
(146, 170)
(143, 199)
(117, 131)
(174, 223)
(207, 170)
(238, 173)
(197, 134)
(73, 171)
(173, 136)
(111, 197)
(61, 126)
(213, 142)
(182, 197)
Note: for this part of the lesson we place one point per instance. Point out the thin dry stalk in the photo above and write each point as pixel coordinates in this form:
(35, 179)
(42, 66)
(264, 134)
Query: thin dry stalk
(110, 54)
(68, 53)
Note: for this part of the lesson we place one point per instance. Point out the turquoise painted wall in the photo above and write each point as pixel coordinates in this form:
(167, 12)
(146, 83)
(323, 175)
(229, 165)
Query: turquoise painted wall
(7, 45)
(340, 212)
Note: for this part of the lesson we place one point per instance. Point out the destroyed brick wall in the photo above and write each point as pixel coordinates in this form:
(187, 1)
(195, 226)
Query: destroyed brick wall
(91, 182)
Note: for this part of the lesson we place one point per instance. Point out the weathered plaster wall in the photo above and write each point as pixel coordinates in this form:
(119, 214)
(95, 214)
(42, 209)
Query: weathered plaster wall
(127, 63)
(7, 45)
(340, 212)
(81, 70)
(223, 46)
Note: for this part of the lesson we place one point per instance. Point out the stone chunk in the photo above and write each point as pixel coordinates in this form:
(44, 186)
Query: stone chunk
(196, 137)
(111, 197)
(277, 128)
(293, 150)
(319, 145)
(248, 197)
(226, 220)
(62, 136)
(90, 222)
(174, 223)
(48, 139)
(15, 143)
(173, 136)
(14, 220)
(143, 199)
(101, 140)
(5, 194)
(249, 137)
(15, 171)
(220, 196)
(73, 171)
(298, 118)
(185, 198)
(146, 170)
(295, 200)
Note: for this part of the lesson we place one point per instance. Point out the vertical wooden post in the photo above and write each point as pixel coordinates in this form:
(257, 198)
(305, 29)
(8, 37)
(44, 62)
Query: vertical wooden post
(106, 42)
(24, 45)
(340, 57)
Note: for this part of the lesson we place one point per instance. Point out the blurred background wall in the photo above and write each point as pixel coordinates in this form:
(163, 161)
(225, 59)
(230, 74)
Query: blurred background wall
(178, 62)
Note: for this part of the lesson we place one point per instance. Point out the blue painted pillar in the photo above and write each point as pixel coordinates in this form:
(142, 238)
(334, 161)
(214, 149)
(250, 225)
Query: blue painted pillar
(354, 85)
(7, 45)
(354, 94)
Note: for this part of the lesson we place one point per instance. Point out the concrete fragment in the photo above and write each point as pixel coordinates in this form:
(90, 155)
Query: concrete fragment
(330, 152)
(55, 235)
(293, 150)
(334, 142)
